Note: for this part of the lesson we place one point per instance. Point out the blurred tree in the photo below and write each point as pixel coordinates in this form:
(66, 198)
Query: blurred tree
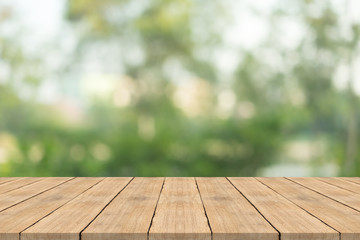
(172, 111)
(174, 32)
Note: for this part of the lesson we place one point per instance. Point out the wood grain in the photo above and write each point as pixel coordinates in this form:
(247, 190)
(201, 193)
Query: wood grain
(340, 217)
(67, 222)
(180, 208)
(9, 186)
(231, 216)
(277, 209)
(354, 179)
(6, 179)
(339, 194)
(129, 215)
(180, 214)
(18, 195)
(21, 216)
(342, 183)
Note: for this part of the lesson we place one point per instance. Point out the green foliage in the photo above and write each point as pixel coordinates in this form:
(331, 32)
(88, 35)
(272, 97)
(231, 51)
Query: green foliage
(152, 135)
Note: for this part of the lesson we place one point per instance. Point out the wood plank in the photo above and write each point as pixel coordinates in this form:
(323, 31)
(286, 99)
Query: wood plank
(21, 194)
(67, 222)
(352, 179)
(129, 215)
(230, 215)
(18, 183)
(344, 196)
(96, 208)
(342, 183)
(277, 210)
(180, 214)
(338, 216)
(16, 219)
(6, 179)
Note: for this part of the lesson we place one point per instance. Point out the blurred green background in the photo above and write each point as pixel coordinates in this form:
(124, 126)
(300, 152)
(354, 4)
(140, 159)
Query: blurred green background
(179, 88)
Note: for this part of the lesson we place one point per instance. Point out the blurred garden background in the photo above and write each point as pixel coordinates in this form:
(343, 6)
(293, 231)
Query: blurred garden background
(179, 88)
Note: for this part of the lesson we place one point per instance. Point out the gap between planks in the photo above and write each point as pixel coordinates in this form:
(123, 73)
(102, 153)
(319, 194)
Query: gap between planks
(60, 206)
(340, 195)
(202, 202)
(325, 209)
(160, 194)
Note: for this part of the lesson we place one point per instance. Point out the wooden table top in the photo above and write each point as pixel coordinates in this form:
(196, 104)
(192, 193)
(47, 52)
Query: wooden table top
(179, 208)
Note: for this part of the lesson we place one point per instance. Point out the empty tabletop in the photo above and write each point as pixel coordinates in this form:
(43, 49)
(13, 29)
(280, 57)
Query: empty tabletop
(234, 208)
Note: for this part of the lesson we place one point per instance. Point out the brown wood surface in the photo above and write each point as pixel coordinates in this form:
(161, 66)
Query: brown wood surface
(341, 195)
(180, 208)
(231, 216)
(180, 213)
(354, 180)
(129, 215)
(73, 217)
(277, 209)
(21, 182)
(6, 179)
(342, 183)
(21, 216)
(18, 195)
(338, 216)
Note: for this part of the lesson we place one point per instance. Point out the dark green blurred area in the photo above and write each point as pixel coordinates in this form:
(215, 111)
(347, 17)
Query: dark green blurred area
(279, 107)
